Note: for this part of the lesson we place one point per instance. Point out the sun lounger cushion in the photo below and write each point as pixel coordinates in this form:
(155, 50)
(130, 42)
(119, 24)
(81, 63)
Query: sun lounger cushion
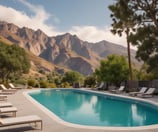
(101, 86)
(3, 97)
(8, 110)
(2, 92)
(7, 89)
(20, 120)
(142, 90)
(13, 87)
(148, 93)
(5, 105)
(118, 90)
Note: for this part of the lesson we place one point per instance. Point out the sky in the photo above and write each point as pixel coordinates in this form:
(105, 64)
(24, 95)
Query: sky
(88, 19)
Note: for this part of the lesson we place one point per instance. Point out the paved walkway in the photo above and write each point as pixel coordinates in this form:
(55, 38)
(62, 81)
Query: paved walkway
(25, 107)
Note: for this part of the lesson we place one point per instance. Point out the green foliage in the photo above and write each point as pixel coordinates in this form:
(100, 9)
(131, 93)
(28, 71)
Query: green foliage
(90, 81)
(122, 16)
(141, 18)
(113, 70)
(13, 60)
(146, 39)
(42, 71)
(124, 21)
(52, 85)
(43, 84)
(65, 85)
(57, 81)
(32, 82)
(72, 77)
(21, 80)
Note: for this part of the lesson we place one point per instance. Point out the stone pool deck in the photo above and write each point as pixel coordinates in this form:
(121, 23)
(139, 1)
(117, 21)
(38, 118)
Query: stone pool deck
(25, 107)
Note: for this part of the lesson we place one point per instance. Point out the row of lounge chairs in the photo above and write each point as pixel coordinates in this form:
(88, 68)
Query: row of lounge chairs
(11, 87)
(143, 92)
(11, 90)
(8, 108)
(4, 92)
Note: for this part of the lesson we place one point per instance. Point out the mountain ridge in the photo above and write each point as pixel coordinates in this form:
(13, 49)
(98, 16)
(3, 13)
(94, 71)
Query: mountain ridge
(62, 50)
(38, 64)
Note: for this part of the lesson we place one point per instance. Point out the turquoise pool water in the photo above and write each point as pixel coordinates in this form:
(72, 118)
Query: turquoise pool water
(94, 109)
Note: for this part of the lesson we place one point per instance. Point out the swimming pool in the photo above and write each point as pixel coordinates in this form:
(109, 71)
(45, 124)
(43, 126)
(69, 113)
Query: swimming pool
(97, 109)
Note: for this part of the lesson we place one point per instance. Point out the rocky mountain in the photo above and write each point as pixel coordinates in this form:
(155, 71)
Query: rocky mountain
(64, 50)
(105, 48)
(37, 63)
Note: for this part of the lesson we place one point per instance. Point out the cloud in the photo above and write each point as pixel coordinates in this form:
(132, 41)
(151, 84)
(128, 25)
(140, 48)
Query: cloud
(40, 13)
(41, 16)
(94, 34)
(36, 21)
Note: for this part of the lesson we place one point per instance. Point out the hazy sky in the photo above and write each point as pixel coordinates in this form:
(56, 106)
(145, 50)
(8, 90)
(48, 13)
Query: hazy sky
(88, 19)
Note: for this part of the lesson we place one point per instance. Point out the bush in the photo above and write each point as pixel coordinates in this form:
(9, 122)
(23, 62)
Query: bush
(32, 83)
(22, 81)
(52, 85)
(43, 84)
(71, 77)
(65, 85)
(42, 71)
(90, 81)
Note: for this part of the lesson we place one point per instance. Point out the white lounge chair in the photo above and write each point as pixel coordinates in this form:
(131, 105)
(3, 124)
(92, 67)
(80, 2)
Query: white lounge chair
(5, 93)
(4, 89)
(20, 120)
(8, 110)
(142, 90)
(100, 87)
(13, 87)
(118, 90)
(3, 97)
(148, 93)
(2, 105)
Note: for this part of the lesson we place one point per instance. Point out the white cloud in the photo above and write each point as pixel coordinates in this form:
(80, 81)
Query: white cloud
(40, 16)
(94, 34)
(40, 13)
(36, 21)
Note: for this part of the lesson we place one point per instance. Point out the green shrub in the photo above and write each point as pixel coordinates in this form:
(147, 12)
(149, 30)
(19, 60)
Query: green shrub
(32, 83)
(42, 71)
(65, 85)
(43, 84)
(52, 85)
(90, 81)
(20, 81)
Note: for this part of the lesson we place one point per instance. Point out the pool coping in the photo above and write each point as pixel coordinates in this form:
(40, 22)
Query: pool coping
(58, 120)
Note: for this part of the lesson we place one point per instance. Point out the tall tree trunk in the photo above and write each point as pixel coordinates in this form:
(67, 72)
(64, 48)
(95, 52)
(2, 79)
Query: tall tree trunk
(130, 66)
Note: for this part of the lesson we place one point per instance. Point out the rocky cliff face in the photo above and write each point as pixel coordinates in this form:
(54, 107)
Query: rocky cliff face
(64, 50)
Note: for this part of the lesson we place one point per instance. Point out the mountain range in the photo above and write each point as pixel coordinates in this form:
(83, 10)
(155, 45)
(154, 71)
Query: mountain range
(63, 51)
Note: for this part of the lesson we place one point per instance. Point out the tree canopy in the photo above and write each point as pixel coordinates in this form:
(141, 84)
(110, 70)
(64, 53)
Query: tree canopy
(72, 77)
(123, 23)
(113, 70)
(142, 18)
(90, 81)
(13, 60)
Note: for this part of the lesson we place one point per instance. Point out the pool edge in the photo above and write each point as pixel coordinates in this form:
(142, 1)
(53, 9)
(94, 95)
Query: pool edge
(62, 122)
